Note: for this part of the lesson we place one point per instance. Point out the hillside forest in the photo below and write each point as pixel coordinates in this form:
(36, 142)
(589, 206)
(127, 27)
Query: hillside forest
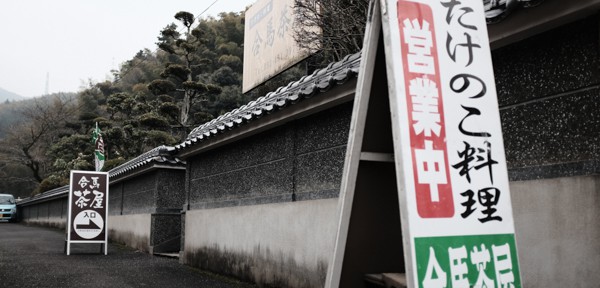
(156, 98)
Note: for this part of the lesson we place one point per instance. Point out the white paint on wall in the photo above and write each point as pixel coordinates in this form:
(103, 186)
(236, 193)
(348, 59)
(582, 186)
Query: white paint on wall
(57, 222)
(303, 231)
(557, 231)
(132, 230)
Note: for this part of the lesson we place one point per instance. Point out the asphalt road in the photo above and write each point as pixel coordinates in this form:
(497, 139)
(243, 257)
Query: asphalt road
(33, 257)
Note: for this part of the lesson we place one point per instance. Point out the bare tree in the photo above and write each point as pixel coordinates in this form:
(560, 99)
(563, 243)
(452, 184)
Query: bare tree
(27, 142)
(334, 28)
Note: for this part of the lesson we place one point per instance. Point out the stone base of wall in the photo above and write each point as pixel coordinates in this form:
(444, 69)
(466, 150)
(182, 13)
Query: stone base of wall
(131, 230)
(279, 245)
(53, 222)
(557, 231)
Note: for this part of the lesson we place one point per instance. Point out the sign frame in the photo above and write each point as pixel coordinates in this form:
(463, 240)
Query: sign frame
(424, 232)
(90, 203)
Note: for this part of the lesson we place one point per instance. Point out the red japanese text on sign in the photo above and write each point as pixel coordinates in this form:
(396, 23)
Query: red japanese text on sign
(425, 111)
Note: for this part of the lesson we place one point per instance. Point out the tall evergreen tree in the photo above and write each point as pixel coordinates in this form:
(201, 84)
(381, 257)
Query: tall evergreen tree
(183, 77)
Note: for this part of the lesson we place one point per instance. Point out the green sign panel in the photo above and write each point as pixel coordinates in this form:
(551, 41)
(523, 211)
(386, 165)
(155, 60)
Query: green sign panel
(467, 261)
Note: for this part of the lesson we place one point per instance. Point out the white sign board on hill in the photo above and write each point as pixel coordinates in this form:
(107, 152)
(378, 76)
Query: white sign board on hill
(269, 45)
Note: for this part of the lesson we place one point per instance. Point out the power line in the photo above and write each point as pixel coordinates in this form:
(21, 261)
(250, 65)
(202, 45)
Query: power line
(206, 9)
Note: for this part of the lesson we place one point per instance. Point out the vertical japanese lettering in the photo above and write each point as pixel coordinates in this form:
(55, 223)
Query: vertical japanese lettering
(417, 36)
(431, 169)
(433, 190)
(480, 259)
(435, 277)
(426, 114)
(504, 267)
(462, 49)
(458, 267)
(88, 205)
(284, 23)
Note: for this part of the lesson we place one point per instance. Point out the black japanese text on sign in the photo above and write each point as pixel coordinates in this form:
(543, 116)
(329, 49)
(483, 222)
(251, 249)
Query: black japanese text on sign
(454, 178)
(88, 206)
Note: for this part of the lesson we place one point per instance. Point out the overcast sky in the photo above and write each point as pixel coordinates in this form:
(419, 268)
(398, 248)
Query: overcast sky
(72, 41)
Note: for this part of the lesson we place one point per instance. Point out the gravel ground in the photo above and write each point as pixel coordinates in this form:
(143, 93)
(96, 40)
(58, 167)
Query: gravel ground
(33, 257)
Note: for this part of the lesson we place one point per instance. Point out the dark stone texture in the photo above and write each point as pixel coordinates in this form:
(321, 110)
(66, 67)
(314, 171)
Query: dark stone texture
(56, 208)
(324, 130)
(301, 160)
(554, 62)
(24, 212)
(139, 194)
(170, 190)
(161, 190)
(549, 101)
(555, 171)
(268, 179)
(51, 209)
(115, 199)
(182, 239)
(65, 207)
(165, 232)
(558, 130)
(43, 210)
(266, 147)
(320, 171)
(46, 213)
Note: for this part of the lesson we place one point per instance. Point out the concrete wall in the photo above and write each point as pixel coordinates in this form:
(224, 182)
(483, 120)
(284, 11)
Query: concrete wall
(264, 208)
(549, 96)
(281, 244)
(132, 230)
(144, 211)
(159, 190)
(557, 231)
(52, 213)
(148, 210)
(136, 195)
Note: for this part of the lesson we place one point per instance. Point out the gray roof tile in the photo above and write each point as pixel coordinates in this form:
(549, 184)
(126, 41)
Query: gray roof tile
(308, 86)
(161, 155)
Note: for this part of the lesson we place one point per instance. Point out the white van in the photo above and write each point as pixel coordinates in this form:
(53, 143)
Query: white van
(8, 208)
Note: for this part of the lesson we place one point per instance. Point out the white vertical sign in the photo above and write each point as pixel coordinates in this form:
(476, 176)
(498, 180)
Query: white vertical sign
(453, 187)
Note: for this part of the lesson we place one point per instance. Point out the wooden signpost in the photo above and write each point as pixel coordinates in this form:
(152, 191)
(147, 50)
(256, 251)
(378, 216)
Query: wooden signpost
(88, 209)
(425, 192)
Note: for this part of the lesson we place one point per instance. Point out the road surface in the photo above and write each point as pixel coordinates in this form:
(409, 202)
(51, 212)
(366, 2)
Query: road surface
(33, 257)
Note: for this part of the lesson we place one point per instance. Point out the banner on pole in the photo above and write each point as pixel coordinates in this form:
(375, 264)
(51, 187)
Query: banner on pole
(99, 156)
